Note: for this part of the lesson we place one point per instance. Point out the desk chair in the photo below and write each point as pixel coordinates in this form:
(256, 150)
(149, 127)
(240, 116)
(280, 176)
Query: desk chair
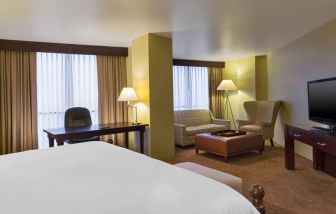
(78, 117)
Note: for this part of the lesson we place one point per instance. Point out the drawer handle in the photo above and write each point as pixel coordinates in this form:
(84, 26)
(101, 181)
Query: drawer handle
(321, 144)
(297, 135)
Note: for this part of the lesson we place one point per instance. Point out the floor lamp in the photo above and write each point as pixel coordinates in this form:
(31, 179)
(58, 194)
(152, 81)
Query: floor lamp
(228, 85)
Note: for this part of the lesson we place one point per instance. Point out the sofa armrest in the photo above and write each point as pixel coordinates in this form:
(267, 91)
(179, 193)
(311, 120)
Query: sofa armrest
(266, 124)
(221, 122)
(179, 129)
(243, 123)
(180, 133)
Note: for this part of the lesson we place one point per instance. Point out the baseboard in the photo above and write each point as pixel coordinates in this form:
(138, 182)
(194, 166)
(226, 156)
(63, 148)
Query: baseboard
(304, 154)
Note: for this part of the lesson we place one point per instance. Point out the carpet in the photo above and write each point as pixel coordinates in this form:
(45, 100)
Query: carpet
(303, 190)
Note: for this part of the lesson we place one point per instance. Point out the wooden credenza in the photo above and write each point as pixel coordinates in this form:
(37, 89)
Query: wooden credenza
(323, 143)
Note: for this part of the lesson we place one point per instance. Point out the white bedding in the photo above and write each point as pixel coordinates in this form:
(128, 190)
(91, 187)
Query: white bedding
(99, 178)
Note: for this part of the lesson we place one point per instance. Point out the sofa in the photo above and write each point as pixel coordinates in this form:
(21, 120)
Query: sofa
(188, 123)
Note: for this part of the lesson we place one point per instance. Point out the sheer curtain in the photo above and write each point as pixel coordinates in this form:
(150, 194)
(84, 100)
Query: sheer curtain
(64, 81)
(191, 87)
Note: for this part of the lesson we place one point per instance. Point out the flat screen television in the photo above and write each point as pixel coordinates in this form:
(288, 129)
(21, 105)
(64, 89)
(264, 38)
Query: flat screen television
(322, 101)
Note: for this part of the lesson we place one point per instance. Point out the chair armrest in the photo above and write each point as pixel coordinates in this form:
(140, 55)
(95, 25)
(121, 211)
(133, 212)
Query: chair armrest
(243, 123)
(221, 122)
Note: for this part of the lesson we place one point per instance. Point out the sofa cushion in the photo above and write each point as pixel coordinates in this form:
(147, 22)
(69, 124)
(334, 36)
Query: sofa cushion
(250, 128)
(192, 130)
(192, 117)
(215, 127)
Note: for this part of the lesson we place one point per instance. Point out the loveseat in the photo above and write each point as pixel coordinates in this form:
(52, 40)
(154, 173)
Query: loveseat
(188, 123)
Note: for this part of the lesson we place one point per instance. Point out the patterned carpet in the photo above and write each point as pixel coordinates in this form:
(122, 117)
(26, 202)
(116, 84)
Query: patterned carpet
(301, 191)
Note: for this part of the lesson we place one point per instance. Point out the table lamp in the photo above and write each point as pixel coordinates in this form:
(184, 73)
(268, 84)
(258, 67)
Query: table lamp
(128, 95)
(228, 85)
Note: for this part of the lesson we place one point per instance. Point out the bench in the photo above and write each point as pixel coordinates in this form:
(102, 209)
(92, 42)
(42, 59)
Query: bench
(225, 178)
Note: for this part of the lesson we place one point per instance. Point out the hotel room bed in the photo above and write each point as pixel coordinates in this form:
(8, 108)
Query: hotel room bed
(99, 178)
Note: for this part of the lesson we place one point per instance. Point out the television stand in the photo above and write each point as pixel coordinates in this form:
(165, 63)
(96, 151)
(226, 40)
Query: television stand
(323, 143)
(331, 129)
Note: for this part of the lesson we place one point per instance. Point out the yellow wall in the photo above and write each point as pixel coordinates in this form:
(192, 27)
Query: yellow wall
(310, 57)
(242, 73)
(161, 97)
(130, 84)
(152, 80)
(261, 78)
(249, 74)
(140, 76)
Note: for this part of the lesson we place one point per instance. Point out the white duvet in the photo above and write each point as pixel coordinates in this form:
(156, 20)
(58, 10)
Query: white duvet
(99, 178)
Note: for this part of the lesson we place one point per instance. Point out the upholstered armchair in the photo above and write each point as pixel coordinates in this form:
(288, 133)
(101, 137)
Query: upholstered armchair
(261, 118)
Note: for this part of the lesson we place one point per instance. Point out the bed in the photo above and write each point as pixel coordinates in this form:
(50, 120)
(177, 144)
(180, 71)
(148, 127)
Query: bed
(99, 178)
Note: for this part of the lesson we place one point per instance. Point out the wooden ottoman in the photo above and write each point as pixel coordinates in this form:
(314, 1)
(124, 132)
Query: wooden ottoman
(229, 146)
(225, 178)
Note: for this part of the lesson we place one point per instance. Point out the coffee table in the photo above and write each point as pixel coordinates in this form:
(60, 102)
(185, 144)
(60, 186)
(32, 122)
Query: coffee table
(229, 146)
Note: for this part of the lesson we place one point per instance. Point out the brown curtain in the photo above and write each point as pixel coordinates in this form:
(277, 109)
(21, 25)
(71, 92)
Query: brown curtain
(216, 98)
(112, 78)
(18, 103)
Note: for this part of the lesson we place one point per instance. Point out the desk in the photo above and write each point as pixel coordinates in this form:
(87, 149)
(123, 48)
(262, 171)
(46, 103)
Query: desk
(63, 134)
(323, 143)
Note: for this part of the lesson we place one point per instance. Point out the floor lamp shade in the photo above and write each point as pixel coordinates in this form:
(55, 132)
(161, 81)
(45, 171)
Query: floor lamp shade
(227, 85)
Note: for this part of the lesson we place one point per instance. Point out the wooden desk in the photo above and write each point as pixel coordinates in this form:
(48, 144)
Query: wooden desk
(323, 143)
(63, 134)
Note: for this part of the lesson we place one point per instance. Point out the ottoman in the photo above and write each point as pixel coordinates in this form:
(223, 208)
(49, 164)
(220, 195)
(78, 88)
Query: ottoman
(229, 146)
(225, 178)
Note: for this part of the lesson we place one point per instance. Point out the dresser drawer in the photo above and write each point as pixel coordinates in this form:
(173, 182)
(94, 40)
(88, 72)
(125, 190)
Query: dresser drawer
(325, 144)
(302, 135)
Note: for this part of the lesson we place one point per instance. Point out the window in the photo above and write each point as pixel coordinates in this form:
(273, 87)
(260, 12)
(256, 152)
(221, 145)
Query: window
(64, 81)
(191, 87)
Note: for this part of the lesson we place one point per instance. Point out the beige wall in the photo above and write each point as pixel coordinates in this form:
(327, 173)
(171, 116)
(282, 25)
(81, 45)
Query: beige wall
(151, 57)
(247, 74)
(308, 58)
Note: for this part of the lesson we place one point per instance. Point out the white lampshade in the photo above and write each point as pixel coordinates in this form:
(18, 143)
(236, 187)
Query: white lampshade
(227, 85)
(128, 94)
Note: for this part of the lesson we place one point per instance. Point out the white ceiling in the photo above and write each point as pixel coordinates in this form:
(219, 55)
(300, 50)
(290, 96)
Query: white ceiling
(201, 29)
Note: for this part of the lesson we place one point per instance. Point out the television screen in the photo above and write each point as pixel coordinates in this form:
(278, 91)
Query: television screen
(322, 100)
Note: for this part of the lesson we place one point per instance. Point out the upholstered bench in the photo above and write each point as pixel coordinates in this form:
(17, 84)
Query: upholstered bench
(229, 146)
(225, 178)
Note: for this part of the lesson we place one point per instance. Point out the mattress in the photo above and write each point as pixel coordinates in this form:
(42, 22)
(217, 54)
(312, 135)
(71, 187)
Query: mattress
(99, 178)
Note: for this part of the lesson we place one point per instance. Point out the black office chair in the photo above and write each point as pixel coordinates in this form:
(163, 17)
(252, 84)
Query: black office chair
(78, 117)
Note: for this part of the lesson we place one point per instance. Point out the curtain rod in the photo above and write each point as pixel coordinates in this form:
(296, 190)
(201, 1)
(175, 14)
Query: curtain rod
(16, 45)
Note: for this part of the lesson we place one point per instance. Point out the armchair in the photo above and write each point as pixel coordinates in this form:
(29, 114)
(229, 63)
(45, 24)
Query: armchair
(261, 118)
